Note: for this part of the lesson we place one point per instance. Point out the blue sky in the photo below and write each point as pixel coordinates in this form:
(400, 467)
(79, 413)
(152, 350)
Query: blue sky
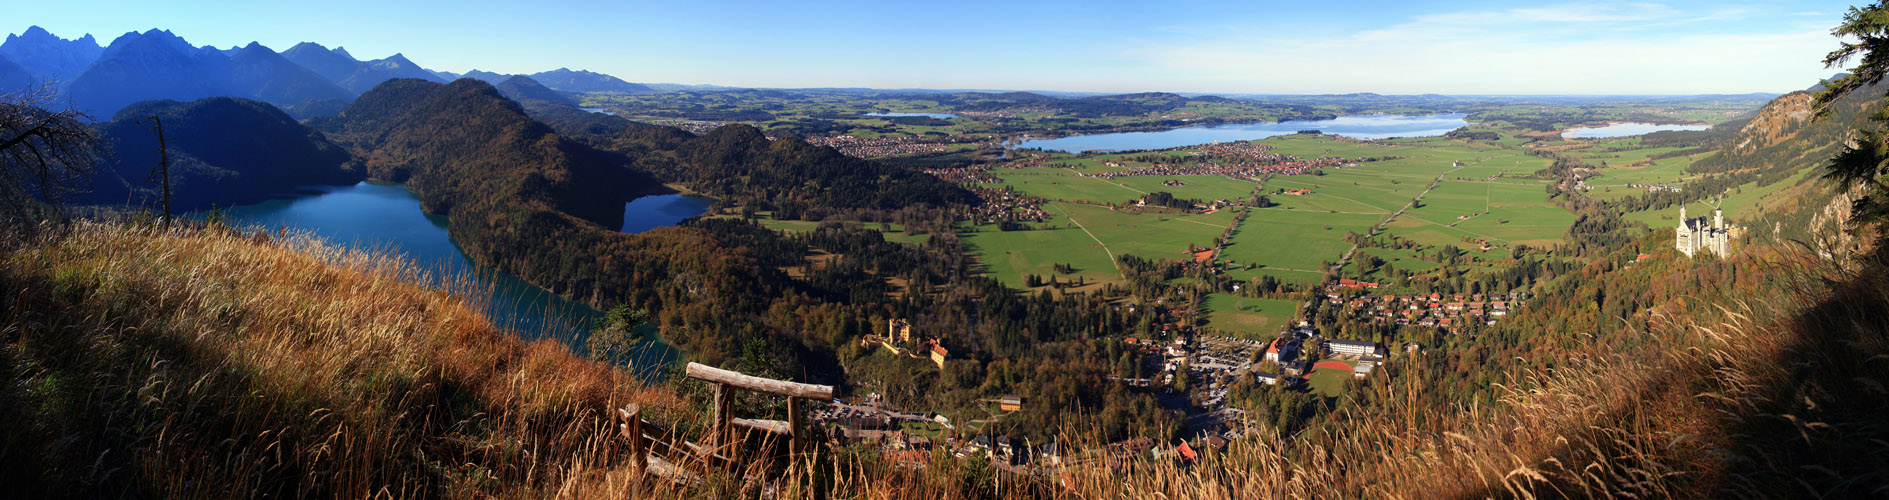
(1389, 47)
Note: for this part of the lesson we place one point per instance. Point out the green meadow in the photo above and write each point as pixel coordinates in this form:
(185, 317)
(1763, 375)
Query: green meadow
(1147, 235)
(1062, 184)
(1294, 241)
(1249, 318)
(1330, 382)
(1008, 255)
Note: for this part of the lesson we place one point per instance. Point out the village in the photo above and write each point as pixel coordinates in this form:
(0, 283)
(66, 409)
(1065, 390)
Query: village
(1003, 205)
(1449, 313)
(858, 147)
(1246, 169)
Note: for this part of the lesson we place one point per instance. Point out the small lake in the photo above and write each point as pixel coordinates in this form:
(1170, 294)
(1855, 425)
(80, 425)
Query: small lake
(381, 216)
(650, 212)
(941, 116)
(600, 110)
(1624, 129)
(1356, 127)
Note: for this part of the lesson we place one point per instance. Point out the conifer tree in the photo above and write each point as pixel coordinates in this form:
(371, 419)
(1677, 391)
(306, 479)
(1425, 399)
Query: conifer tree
(1864, 161)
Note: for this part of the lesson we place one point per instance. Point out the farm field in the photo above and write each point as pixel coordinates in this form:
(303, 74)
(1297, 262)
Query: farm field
(1297, 242)
(1622, 158)
(1662, 171)
(1147, 235)
(1008, 255)
(1201, 187)
(1150, 234)
(1440, 235)
(1063, 184)
(1407, 260)
(1345, 192)
(1249, 318)
(1499, 212)
(1485, 193)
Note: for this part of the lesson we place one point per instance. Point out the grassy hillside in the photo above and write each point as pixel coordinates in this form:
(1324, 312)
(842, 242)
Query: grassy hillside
(199, 362)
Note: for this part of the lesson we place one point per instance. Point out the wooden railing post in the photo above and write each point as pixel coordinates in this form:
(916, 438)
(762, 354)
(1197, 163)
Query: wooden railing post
(724, 398)
(639, 453)
(797, 421)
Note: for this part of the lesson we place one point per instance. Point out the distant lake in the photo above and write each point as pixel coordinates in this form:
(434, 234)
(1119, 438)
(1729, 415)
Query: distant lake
(1356, 127)
(650, 212)
(1624, 129)
(941, 116)
(600, 110)
(387, 217)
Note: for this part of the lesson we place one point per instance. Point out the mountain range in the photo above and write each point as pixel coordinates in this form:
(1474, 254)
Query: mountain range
(47, 57)
(352, 74)
(568, 80)
(307, 80)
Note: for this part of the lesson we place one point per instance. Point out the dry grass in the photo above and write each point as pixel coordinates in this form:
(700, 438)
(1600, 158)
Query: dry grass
(194, 362)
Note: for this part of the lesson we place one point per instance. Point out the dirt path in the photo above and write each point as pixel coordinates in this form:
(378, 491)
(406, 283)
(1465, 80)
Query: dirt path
(1203, 223)
(1324, 211)
(1116, 184)
(1098, 241)
(1387, 220)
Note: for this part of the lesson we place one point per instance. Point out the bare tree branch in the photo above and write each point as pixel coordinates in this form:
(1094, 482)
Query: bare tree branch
(45, 154)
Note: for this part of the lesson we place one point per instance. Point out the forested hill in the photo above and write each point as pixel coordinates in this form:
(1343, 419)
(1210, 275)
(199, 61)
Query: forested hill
(736, 162)
(222, 150)
(523, 89)
(464, 142)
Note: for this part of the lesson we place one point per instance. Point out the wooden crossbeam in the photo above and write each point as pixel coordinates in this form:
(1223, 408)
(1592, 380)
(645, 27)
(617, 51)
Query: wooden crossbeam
(738, 380)
(769, 426)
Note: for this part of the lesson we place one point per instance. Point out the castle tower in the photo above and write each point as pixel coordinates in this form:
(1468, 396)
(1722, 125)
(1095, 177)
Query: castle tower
(1683, 236)
(1718, 218)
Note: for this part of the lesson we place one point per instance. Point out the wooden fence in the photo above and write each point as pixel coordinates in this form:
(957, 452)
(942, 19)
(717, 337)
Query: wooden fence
(646, 437)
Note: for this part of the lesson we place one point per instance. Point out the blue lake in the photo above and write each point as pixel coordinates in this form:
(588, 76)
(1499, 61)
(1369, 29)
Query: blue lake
(387, 217)
(1356, 127)
(941, 116)
(1624, 129)
(650, 212)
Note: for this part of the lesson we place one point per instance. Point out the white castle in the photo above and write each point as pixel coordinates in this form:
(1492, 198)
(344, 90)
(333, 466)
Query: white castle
(1695, 235)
